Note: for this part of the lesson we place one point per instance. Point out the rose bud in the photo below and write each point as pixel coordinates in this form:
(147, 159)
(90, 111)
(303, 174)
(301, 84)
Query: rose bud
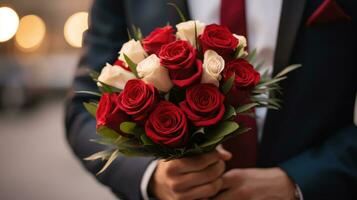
(204, 105)
(109, 114)
(115, 76)
(133, 50)
(218, 38)
(246, 78)
(242, 44)
(213, 65)
(160, 36)
(138, 99)
(167, 125)
(152, 72)
(186, 31)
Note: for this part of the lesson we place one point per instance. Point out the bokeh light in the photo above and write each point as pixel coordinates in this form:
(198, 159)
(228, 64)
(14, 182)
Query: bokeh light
(31, 33)
(74, 28)
(9, 22)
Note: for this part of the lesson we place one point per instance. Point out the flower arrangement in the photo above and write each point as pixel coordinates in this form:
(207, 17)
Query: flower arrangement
(179, 93)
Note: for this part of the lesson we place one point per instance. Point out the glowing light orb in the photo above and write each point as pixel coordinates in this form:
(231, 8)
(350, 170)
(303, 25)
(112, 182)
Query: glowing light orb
(9, 22)
(74, 28)
(31, 32)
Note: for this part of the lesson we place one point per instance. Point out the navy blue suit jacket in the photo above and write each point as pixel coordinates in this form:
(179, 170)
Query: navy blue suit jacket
(312, 137)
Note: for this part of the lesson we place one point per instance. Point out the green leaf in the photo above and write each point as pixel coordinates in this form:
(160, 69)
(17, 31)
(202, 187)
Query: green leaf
(89, 92)
(242, 130)
(131, 65)
(272, 81)
(196, 38)
(252, 56)
(129, 34)
(107, 133)
(103, 155)
(146, 140)
(91, 108)
(217, 133)
(230, 112)
(246, 107)
(137, 33)
(167, 96)
(287, 70)
(112, 157)
(179, 12)
(128, 127)
(227, 86)
(93, 74)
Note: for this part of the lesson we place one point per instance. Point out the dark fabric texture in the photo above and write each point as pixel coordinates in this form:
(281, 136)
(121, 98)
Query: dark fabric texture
(312, 137)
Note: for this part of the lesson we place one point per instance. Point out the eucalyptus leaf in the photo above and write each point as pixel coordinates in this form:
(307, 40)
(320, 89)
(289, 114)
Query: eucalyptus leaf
(91, 108)
(272, 81)
(93, 74)
(252, 56)
(287, 70)
(227, 86)
(112, 157)
(89, 92)
(129, 34)
(103, 155)
(131, 65)
(179, 12)
(246, 107)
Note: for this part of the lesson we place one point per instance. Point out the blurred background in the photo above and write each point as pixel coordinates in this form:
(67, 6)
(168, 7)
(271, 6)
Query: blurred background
(39, 48)
(40, 44)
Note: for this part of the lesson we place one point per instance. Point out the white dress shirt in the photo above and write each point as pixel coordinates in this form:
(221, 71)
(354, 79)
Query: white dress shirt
(263, 19)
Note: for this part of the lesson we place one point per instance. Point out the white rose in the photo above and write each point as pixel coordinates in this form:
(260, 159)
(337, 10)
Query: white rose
(152, 72)
(186, 31)
(241, 45)
(213, 65)
(133, 50)
(115, 76)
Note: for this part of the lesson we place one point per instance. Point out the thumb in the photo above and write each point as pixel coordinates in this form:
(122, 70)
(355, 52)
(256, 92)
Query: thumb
(223, 153)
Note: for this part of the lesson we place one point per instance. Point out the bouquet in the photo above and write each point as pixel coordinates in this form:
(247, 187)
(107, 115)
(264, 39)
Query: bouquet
(178, 93)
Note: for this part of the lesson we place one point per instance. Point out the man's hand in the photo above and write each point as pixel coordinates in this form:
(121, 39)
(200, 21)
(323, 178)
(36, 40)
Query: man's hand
(198, 177)
(256, 184)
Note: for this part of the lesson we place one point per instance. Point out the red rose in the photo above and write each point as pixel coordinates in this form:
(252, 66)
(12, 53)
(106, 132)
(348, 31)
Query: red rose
(138, 99)
(218, 38)
(246, 78)
(177, 55)
(109, 114)
(167, 125)
(187, 77)
(160, 36)
(204, 105)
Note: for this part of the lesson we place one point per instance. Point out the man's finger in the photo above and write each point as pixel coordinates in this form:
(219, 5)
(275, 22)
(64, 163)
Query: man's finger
(230, 179)
(196, 163)
(224, 154)
(207, 175)
(204, 191)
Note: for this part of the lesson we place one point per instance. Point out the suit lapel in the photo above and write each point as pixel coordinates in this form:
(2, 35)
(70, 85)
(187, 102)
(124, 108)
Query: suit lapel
(290, 20)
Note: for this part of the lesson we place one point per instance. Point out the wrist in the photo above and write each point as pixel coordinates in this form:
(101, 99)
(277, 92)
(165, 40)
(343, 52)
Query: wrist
(288, 184)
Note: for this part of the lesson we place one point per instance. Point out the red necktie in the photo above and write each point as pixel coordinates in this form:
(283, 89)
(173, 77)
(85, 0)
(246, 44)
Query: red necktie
(244, 147)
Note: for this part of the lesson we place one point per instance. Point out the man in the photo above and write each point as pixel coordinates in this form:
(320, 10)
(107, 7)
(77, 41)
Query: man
(308, 149)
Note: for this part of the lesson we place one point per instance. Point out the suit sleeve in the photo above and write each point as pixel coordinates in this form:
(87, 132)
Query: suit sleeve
(328, 170)
(106, 34)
